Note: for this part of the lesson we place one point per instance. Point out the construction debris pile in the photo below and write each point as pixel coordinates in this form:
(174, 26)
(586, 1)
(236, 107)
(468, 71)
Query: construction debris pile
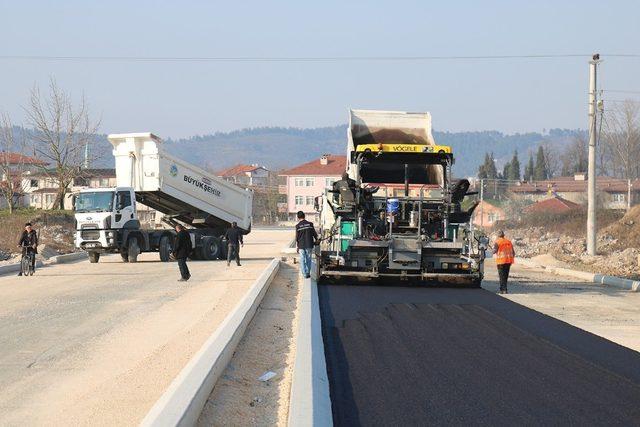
(618, 247)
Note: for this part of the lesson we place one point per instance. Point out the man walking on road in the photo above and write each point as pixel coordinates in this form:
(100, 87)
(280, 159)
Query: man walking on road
(181, 250)
(306, 237)
(234, 241)
(504, 253)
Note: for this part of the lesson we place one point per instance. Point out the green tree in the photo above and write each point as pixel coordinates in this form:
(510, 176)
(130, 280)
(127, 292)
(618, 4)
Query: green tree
(540, 169)
(514, 168)
(506, 171)
(490, 167)
(529, 168)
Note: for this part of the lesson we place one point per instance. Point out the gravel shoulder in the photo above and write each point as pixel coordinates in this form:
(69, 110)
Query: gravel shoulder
(239, 397)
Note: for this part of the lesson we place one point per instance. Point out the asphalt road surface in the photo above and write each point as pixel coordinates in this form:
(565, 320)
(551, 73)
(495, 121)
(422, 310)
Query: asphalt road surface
(425, 356)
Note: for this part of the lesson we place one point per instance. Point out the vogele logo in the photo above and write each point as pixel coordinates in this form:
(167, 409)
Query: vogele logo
(173, 170)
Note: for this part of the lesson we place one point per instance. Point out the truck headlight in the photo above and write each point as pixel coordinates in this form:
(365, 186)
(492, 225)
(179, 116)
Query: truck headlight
(110, 234)
(445, 265)
(465, 266)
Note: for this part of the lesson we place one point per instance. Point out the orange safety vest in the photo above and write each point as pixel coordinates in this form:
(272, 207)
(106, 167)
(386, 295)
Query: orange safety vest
(505, 253)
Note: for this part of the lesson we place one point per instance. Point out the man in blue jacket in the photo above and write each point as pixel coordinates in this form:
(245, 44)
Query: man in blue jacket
(306, 237)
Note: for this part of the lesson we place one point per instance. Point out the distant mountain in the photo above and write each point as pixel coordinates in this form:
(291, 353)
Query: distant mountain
(279, 147)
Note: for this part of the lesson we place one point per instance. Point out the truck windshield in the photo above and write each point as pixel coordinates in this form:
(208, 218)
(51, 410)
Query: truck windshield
(94, 202)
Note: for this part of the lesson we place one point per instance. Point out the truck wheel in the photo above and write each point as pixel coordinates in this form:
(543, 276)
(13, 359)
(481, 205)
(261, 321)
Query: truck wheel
(124, 256)
(94, 257)
(223, 250)
(133, 250)
(210, 249)
(165, 248)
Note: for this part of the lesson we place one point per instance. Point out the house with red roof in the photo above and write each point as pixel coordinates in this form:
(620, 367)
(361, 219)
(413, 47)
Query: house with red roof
(554, 204)
(305, 182)
(246, 175)
(613, 193)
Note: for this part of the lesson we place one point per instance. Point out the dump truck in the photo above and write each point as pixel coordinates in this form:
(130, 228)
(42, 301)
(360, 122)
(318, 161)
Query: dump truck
(399, 215)
(107, 220)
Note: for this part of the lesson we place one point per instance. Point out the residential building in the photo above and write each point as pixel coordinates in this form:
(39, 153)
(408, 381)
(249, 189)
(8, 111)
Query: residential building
(16, 163)
(554, 204)
(487, 213)
(246, 175)
(14, 166)
(613, 193)
(41, 188)
(307, 181)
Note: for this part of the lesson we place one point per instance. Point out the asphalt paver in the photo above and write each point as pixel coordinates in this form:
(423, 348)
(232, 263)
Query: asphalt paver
(434, 356)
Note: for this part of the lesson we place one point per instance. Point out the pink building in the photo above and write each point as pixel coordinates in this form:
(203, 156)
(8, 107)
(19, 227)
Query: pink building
(307, 181)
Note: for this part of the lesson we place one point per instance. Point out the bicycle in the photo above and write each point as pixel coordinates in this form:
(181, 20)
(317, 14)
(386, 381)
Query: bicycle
(27, 263)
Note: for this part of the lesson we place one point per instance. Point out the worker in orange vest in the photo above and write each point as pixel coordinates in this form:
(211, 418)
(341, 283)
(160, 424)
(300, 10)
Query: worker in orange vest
(504, 253)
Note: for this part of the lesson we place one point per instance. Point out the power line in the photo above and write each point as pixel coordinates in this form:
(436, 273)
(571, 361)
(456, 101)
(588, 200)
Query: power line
(621, 91)
(301, 58)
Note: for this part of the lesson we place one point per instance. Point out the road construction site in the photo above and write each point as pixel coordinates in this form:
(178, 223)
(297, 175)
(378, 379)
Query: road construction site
(88, 344)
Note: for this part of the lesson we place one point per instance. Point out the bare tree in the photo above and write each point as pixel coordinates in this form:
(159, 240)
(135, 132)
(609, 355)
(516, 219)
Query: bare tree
(12, 162)
(574, 158)
(551, 160)
(61, 134)
(622, 139)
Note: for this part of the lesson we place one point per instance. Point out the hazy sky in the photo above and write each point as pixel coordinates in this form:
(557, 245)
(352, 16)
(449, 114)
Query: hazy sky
(186, 98)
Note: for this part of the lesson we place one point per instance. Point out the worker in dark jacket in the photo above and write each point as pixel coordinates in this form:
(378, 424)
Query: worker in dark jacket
(306, 237)
(181, 250)
(29, 244)
(233, 237)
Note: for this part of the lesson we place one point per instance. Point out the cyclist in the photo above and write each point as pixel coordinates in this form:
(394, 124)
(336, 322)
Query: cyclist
(29, 244)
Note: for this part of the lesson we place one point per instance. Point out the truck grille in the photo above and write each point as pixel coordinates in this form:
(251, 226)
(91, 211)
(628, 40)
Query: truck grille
(90, 234)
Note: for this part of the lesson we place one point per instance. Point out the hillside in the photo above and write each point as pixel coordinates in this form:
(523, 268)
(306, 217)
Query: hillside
(279, 147)
(283, 147)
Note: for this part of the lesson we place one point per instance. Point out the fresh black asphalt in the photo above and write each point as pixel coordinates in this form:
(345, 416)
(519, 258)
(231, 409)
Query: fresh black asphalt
(441, 356)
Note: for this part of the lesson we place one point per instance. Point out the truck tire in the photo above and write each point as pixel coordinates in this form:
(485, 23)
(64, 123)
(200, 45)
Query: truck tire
(94, 257)
(125, 256)
(133, 250)
(223, 250)
(165, 248)
(210, 248)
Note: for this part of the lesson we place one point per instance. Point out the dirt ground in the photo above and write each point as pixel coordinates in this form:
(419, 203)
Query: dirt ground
(97, 344)
(239, 398)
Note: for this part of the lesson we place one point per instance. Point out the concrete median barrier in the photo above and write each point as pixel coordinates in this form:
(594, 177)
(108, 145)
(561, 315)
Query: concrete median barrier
(182, 403)
(14, 268)
(618, 282)
(310, 402)
(66, 258)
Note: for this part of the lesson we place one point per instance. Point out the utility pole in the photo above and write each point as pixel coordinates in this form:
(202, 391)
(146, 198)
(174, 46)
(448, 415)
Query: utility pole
(481, 202)
(591, 189)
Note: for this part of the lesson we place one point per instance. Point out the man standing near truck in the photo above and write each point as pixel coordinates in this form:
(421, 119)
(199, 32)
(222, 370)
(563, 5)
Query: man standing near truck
(504, 253)
(234, 241)
(181, 250)
(306, 237)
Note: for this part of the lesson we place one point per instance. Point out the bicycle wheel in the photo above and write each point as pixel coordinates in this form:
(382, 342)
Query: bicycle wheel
(32, 267)
(25, 265)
